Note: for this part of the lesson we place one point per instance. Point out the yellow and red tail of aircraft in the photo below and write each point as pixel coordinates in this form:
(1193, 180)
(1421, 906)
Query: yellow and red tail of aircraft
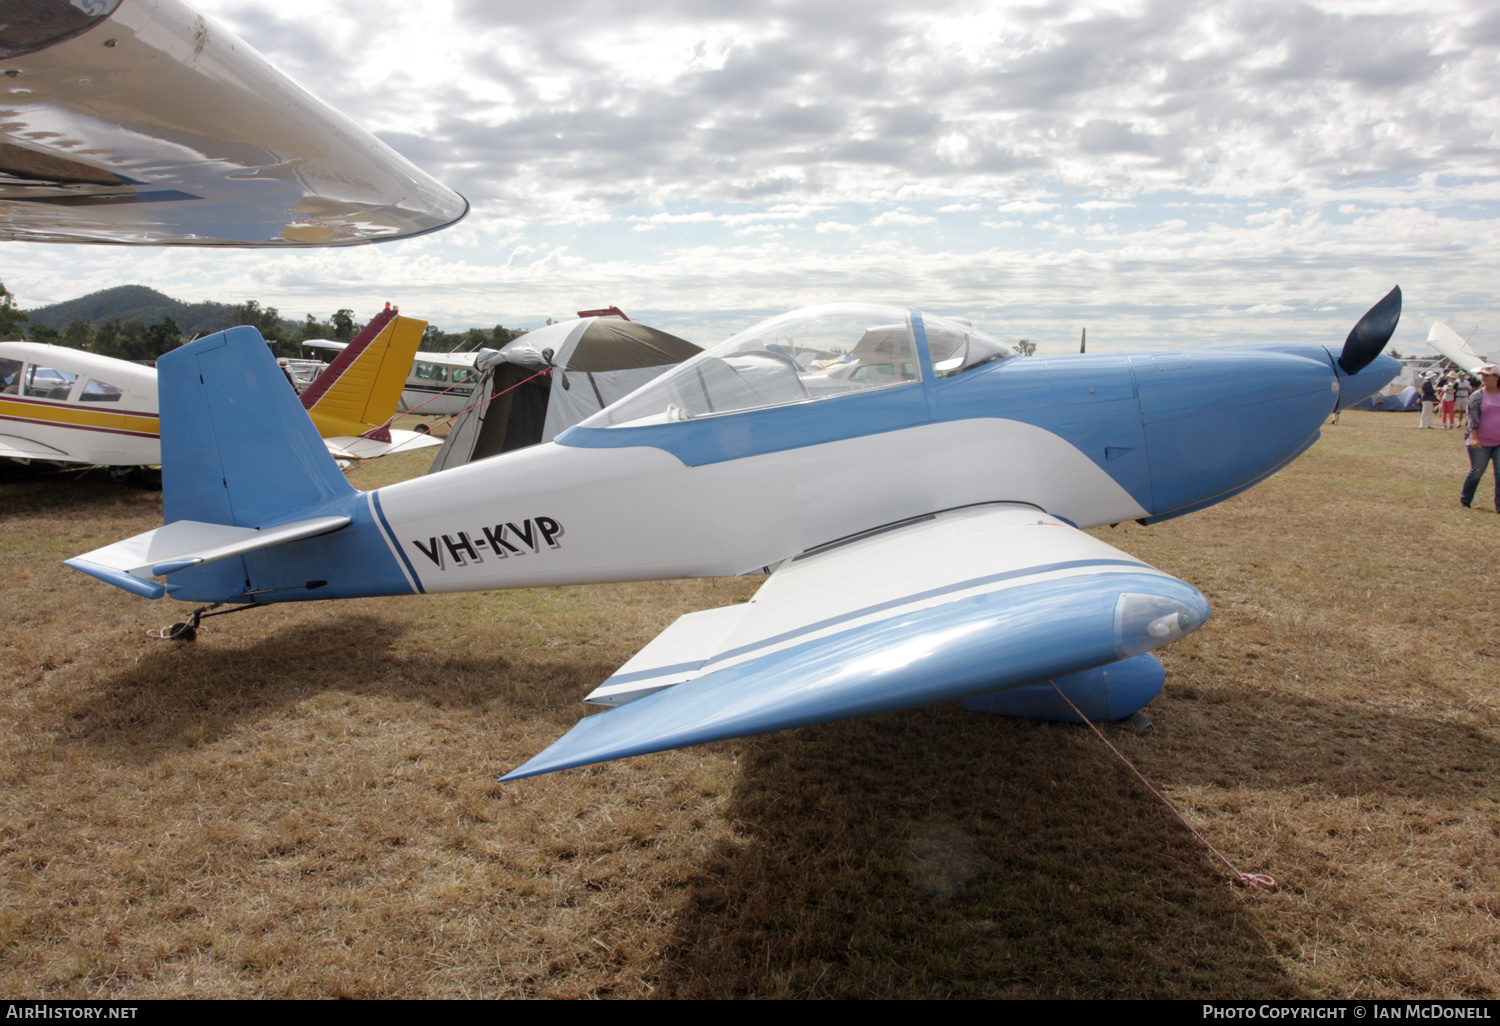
(353, 401)
(359, 390)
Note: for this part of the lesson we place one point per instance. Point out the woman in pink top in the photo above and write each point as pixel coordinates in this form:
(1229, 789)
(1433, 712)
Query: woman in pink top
(1483, 436)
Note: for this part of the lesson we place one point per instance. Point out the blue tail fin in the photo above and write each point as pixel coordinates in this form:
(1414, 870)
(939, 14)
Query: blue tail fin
(236, 445)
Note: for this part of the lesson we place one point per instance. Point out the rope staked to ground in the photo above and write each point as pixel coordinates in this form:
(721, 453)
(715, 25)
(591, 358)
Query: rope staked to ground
(449, 419)
(1254, 881)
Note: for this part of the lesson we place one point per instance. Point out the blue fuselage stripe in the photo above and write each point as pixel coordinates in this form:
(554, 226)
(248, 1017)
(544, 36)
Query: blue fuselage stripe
(395, 543)
(948, 589)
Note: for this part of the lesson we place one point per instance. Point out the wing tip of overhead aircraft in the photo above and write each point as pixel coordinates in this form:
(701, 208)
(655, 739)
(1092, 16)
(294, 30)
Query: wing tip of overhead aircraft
(293, 173)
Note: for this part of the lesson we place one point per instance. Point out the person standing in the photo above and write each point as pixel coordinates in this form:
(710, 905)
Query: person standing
(1429, 399)
(1462, 389)
(1446, 395)
(1483, 436)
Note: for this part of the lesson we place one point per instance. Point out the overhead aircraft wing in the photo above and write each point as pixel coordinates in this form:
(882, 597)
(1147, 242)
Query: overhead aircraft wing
(144, 122)
(955, 604)
(1448, 342)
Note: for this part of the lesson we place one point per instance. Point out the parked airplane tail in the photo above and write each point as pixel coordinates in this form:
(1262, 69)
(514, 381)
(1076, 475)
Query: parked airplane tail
(255, 507)
(359, 391)
(236, 446)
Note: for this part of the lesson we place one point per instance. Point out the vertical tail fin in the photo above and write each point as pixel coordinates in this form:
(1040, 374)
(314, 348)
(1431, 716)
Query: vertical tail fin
(360, 389)
(236, 446)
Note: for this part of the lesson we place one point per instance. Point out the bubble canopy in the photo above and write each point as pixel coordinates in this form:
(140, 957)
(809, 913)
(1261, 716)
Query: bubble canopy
(817, 353)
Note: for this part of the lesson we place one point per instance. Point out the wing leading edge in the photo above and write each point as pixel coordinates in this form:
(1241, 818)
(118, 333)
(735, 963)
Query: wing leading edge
(953, 605)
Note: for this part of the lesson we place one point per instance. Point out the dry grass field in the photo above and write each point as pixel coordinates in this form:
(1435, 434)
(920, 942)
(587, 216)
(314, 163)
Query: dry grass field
(302, 803)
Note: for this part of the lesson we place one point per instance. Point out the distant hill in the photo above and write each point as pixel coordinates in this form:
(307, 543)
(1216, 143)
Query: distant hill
(137, 302)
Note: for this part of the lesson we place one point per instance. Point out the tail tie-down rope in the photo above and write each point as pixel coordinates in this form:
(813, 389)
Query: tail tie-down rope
(1254, 881)
(187, 630)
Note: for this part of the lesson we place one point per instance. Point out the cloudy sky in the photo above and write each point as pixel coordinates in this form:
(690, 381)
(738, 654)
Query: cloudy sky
(1162, 172)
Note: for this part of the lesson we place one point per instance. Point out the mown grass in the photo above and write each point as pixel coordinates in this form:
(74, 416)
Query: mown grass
(302, 803)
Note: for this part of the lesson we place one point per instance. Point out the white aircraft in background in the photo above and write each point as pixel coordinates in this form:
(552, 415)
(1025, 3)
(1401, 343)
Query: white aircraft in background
(67, 406)
(1455, 348)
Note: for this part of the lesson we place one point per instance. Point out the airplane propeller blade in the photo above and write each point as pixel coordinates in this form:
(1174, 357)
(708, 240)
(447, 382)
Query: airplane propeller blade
(1371, 334)
(1083, 341)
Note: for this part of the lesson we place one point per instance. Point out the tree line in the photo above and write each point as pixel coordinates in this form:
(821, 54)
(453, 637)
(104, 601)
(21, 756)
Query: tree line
(134, 339)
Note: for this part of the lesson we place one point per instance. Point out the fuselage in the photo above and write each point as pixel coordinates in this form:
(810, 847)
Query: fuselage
(68, 406)
(1093, 439)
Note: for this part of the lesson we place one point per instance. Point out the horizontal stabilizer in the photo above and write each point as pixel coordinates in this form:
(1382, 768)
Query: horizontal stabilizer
(358, 447)
(185, 543)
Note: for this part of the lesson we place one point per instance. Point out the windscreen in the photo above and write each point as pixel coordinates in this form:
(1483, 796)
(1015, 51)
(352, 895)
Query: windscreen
(818, 353)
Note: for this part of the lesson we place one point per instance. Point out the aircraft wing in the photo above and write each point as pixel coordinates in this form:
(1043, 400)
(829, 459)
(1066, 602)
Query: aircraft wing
(951, 605)
(1448, 342)
(142, 122)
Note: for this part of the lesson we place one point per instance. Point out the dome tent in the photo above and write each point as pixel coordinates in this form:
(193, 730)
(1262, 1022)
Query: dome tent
(594, 361)
(1404, 401)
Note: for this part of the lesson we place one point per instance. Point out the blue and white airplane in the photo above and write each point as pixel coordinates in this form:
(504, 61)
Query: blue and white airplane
(914, 487)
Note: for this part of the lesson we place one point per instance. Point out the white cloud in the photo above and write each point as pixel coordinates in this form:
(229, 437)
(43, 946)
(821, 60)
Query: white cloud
(1224, 128)
(900, 216)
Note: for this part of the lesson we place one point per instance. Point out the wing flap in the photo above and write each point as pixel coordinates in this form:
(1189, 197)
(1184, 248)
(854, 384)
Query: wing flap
(675, 655)
(960, 604)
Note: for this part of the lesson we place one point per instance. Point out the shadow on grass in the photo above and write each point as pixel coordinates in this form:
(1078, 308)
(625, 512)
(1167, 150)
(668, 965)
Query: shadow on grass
(938, 853)
(202, 689)
(36, 487)
(942, 853)
(1231, 738)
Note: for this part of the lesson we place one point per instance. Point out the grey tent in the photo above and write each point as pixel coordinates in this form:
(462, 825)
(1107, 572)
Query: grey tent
(594, 360)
